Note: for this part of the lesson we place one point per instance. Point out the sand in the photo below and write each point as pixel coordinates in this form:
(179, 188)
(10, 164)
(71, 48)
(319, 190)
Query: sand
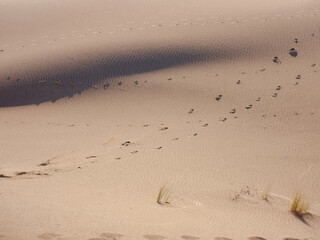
(102, 103)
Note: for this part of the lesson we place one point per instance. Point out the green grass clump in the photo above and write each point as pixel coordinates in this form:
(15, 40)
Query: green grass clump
(163, 196)
(298, 206)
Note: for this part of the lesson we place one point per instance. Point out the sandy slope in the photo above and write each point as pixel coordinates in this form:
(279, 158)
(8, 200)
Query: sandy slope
(150, 74)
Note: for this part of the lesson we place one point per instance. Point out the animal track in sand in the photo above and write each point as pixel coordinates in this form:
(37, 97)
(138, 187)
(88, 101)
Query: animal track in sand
(218, 97)
(222, 238)
(256, 238)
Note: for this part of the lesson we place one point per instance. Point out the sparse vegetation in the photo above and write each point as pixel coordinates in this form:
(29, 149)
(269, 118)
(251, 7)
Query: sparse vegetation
(266, 194)
(163, 196)
(298, 205)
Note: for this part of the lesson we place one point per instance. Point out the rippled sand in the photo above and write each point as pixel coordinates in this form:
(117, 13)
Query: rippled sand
(102, 103)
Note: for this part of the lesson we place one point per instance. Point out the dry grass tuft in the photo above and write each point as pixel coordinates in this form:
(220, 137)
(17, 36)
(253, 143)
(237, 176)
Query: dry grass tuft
(163, 196)
(298, 206)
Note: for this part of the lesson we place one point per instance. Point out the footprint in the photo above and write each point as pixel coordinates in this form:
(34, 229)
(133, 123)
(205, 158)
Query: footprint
(154, 237)
(111, 236)
(205, 125)
(222, 238)
(238, 82)
(298, 76)
(219, 97)
(275, 95)
(169, 79)
(290, 238)
(187, 237)
(191, 111)
(136, 82)
(276, 60)
(174, 139)
(134, 152)
(163, 129)
(119, 83)
(313, 65)
(4, 176)
(249, 106)
(293, 52)
(223, 120)
(127, 143)
(256, 238)
(233, 111)
(278, 88)
(258, 99)
(49, 236)
(296, 40)
(105, 86)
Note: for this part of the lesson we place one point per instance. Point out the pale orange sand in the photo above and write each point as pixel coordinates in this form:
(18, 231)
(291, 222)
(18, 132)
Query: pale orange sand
(105, 102)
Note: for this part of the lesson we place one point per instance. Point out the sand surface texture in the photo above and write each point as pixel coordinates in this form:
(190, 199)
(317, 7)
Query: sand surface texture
(103, 103)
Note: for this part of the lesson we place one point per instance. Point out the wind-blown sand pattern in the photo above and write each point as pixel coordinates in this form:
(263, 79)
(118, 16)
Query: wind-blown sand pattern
(102, 103)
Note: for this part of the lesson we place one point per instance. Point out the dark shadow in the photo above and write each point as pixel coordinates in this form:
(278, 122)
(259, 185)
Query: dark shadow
(52, 81)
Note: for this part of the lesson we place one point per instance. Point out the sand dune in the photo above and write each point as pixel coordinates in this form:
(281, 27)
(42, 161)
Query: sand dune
(102, 103)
